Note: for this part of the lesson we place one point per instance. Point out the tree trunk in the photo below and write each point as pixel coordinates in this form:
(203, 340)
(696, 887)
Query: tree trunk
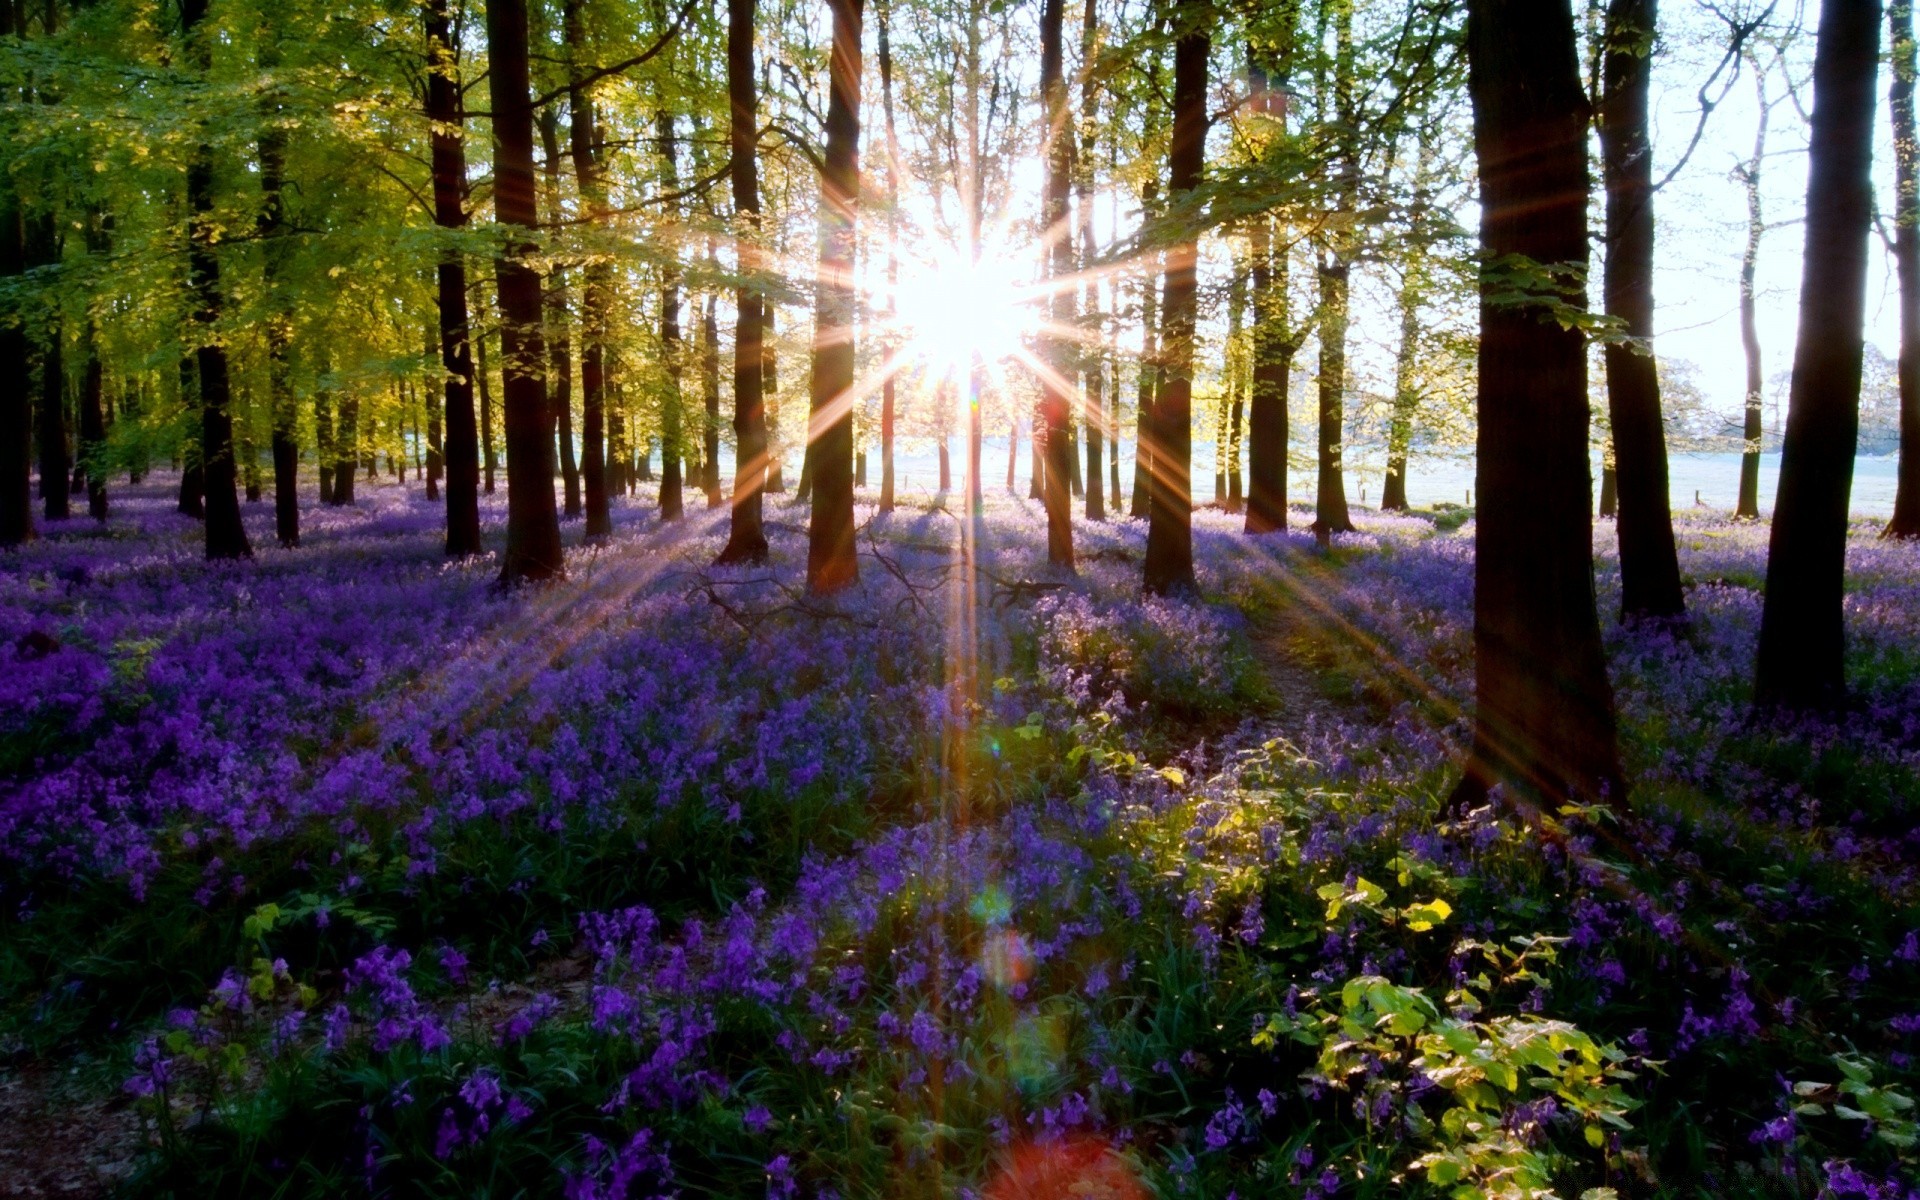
(583, 133)
(429, 400)
(16, 410)
(1406, 389)
(448, 144)
(325, 449)
(1906, 256)
(1752, 431)
(1802, 628)
(672, 451)
(770, 388)
(1094, 410)
(830, 551)
(559, 319)
(1273, 349)
(1544, 724)
(280, 399)
(56, 467)
(1226, 442)
(1056, 383)
(1169, 563)
(93, 431)
(1336, 281)
(347, 447)
(490, 462)
(1649, 562)
(1148, 388)
(226, 536)
(533, 525)
(746, 536)
(1609, 492)
(1013, 461)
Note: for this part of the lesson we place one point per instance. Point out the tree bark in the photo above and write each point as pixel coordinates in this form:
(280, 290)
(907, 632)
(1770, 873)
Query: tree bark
(597, 299)
(559, 308)
(1906, 256)
(1169, 560)
(746, 536)
(1752, 430)
(279, 324)
(1649, 562)
(831, 565)
(1274, 346)
(710, 395)
(16, 414)
(1056, 384)
(490, 462)
(533, 523)
(1148, 389)
(226, 537)
(56, 467)
(1330, 514)
(1802, 627)
(448, 145)
(672, 451)
(1544, 725)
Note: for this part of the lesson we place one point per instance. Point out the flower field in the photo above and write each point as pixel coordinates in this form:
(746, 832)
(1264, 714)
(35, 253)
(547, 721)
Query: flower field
(342, 872)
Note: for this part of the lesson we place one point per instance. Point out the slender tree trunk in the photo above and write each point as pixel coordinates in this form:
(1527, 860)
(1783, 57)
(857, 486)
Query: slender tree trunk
(1226, 442)
(1056, 384)
(1148, 389)
(347, 443)
(325, 449)
(448, 144)
(1802, 628)
(1169, 564)
(831, 564)
(1336, 281)
(1273, 349)
(533, 525)
(490, 462)
(16, 410)
(583, 133)
(429, 400)
(1649, 562)
(279, 325)
(672, 451)
(93, 430)
(746, 536)
(770, 389)
(710, 393)
(1094, 409)
(559, 320)
(1906, 256)
(226, 536)
(887, 398)
(1406, 389)
(56, 468)
(1752, 432)
(1544, 724)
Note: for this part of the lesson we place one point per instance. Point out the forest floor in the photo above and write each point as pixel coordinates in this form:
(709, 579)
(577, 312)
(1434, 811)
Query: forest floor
(339, 870)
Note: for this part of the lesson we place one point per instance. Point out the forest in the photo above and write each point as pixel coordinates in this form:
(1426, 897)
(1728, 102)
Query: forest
(996, 599)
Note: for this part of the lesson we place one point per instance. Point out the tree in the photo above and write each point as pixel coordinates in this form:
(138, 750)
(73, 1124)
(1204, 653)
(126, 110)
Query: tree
(1649, 562)
(746, 537)
(16, 417)
(671, 450)
(830, 552)
(533, 522)
(1802, 628)
(1341, 247)
(272, 227)
(887, 397)
(226, 537)
(1906, 255)
(597, 297)
(1748, 173)
(1056, 400)
(1275, 341)
(1095, 413)
(447, 141)
(559, 308)
(1544, 724)
(1169, 562)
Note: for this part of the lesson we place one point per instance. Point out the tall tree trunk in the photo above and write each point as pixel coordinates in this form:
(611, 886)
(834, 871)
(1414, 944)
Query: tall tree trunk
(1406, 388)
(16, 410)
(1544, 724)
(279, 324)
(830, 551)
(770, 389)
(1056, 384)
(490, 462)
(226, 536)
(1094, 409)
(887, 398)
(597, 299)
(93, 429)
(1330, 514)
(533, 525)
(1906, 255)
(1148, 389)
(325, 448)
(56, 467)
(430, 400)
(1226, 444)
(1649, 562)
(672, 450)
(1752, 431)
(1169, 563)
(347, 447)
(746, 536)
(448, 144)
(1274, 345)
(1802, 629)
(710, 393)
(559, 321)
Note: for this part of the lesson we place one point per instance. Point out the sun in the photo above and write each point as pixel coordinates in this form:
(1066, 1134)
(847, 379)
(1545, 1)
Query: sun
(955, 312)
